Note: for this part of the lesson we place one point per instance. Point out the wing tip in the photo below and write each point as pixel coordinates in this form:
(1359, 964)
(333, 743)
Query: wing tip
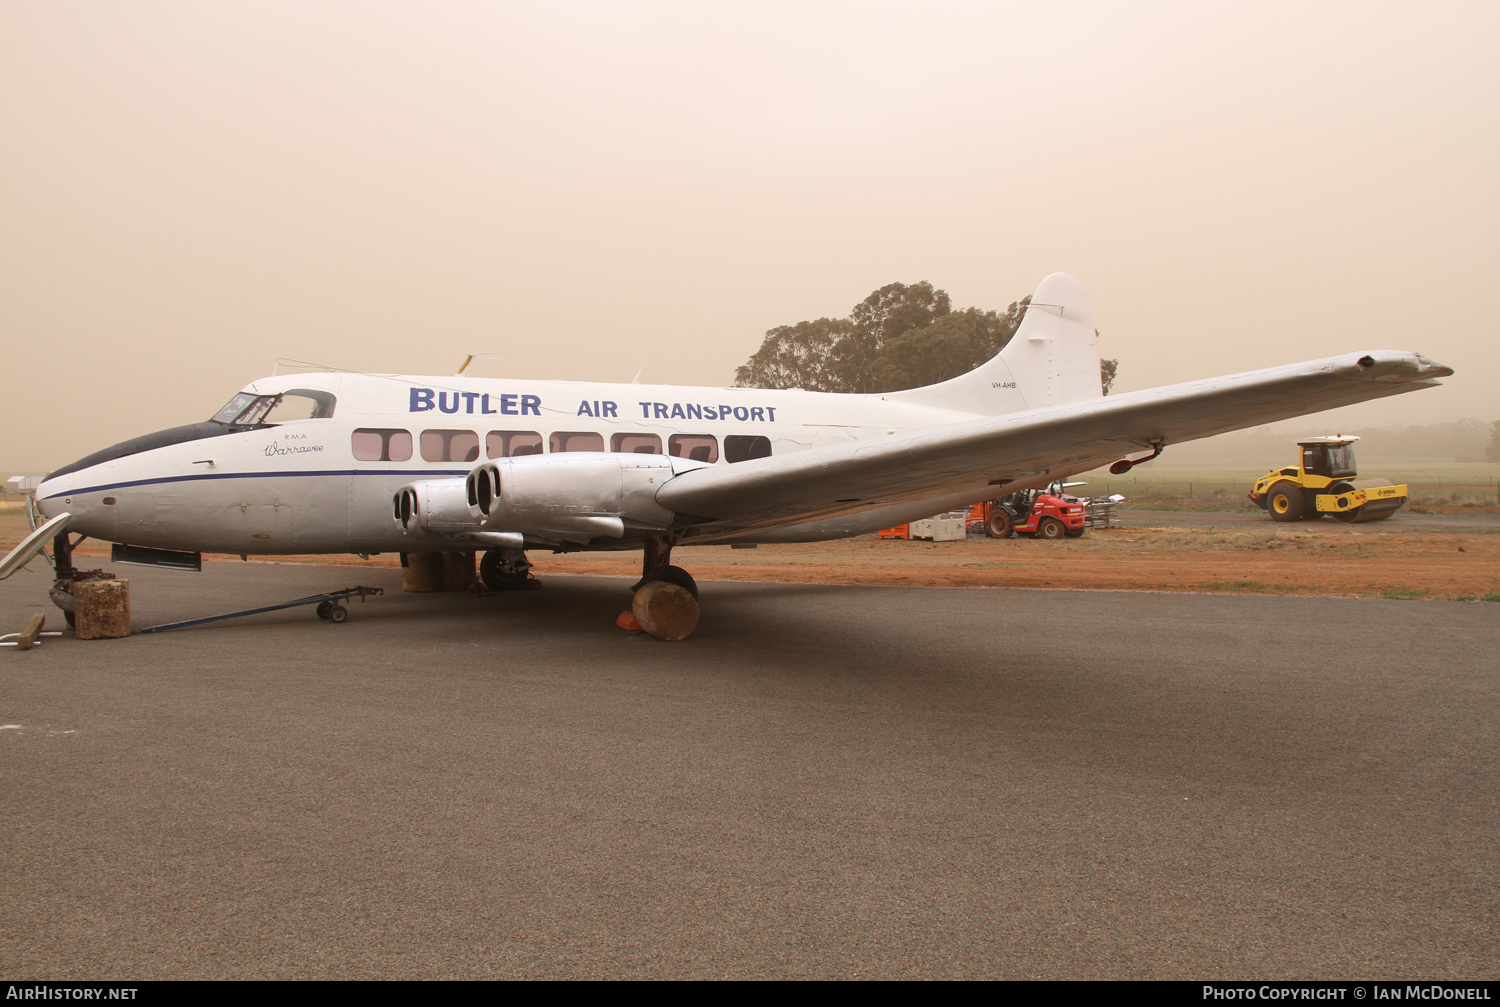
(1398, 365)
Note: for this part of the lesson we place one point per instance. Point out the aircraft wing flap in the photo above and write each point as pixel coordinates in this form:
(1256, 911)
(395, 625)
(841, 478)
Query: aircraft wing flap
(987, 454)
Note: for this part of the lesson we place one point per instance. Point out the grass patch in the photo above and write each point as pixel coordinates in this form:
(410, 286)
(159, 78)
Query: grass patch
(1256, 587)
(1405, 593)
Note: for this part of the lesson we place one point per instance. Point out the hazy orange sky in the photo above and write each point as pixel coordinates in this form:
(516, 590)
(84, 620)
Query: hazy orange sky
(190, 190)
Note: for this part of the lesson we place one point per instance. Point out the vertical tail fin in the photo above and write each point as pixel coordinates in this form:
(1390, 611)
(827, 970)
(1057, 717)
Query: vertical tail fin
(1053, 359)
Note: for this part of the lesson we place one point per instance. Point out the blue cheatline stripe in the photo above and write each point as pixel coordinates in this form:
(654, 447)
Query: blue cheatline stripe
(414, 473)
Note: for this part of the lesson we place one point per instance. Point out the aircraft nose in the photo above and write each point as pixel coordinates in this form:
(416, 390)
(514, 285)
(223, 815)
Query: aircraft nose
(50, 506)
(90, 516)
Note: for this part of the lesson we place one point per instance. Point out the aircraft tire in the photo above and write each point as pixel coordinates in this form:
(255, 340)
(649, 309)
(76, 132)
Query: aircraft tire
(999, 524)
(1050, 528)
(675, 575)
(1284, 502)
(495, 577)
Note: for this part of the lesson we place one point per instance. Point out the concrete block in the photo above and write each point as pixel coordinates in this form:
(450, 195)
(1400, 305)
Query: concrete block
(101, 609)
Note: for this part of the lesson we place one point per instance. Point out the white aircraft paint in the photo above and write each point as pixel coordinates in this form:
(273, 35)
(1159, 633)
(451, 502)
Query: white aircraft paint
(356, 480)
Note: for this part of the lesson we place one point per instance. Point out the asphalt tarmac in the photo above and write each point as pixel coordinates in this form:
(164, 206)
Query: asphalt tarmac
(823, 782)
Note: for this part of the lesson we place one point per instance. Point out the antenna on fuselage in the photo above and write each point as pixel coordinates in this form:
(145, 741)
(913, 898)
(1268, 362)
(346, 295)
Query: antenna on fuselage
(289, 362)
(470, 359)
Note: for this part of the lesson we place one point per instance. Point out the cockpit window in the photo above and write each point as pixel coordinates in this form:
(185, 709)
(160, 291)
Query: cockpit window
(300, 404)
(247, 410)
(234, 408)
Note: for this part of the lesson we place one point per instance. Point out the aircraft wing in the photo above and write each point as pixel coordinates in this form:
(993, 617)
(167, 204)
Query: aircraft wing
(984, 456)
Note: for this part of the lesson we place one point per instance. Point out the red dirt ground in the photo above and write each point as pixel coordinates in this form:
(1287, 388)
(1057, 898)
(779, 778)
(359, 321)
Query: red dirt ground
(1376, 560)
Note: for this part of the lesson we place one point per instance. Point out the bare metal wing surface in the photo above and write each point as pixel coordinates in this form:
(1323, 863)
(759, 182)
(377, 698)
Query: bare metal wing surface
(981, 457)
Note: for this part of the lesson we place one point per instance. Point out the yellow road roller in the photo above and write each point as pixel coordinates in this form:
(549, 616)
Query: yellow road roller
(1323, 482)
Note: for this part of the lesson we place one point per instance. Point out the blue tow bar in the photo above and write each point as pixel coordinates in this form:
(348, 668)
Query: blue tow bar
(328, 608)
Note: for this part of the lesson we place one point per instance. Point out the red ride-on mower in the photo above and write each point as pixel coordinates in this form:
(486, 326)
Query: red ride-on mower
(1040, 514)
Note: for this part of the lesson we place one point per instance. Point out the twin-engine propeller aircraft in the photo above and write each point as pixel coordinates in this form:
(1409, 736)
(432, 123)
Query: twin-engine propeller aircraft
(360, 463)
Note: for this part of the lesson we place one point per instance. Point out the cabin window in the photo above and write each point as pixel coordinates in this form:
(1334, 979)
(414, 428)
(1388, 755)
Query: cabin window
(246, 410)
(696, 447)
(635, 444)
(450, 446)
(576, 441)
(742, 448)
(382, 445)
(512, 443)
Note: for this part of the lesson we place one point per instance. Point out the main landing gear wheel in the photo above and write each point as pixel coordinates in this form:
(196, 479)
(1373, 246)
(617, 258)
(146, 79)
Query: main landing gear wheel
(674, 575)
(501, 573)
(999, 524)
(1050, 528)
(1284, 502)
(666, 605)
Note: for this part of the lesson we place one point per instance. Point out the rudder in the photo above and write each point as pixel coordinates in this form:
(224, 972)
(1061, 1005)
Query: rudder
(1053, 359)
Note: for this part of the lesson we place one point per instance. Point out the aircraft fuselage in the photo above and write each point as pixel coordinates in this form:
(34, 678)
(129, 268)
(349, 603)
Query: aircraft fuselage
(324, 483)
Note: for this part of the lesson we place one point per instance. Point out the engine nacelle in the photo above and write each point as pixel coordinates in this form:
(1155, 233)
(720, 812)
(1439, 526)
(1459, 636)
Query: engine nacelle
(570, 497)
(433, 508)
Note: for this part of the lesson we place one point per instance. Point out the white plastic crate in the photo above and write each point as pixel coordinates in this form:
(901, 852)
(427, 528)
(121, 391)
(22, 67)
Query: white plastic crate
(950, 527)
